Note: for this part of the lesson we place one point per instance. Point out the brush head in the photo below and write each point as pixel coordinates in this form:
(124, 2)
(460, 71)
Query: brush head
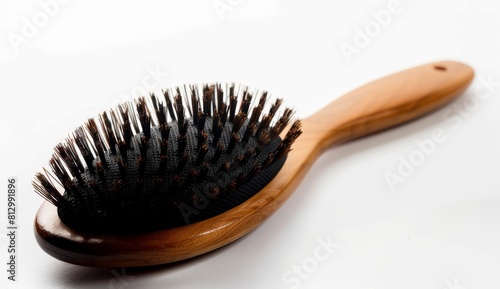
(148, 166)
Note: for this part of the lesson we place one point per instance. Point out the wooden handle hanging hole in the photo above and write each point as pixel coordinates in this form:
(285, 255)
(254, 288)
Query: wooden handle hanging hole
(440, 68)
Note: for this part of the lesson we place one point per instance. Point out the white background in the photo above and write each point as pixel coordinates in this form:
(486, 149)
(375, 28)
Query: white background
(440, 228)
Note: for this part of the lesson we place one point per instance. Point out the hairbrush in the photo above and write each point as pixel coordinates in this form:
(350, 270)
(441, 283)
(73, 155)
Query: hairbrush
(153, 182)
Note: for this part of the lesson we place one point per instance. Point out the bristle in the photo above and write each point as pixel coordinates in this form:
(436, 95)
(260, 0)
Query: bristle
(201, 154)
(100, 171)
(80, 140)
(147, 158)
(281, 123)
(73, 152)
(217, 132)
(235, 138)
(202, 135)
(207, 100)
(179, 109)
(233, 101)
(47, 190)
(249, 132)
(245, 103)
(98, 143)
(133, 115)
(163, 156)
(195, 105)
(144, 117)
(256, 113)
(215, 120)
(238, 121)
(72, 162)
(202, 139)
(181, 144)
(264, 139)
(168, 101)
(266, 120)
(154, 101)
(160, 111)
(220, 97)
(109, 135)
(125, 126)
(286, 145)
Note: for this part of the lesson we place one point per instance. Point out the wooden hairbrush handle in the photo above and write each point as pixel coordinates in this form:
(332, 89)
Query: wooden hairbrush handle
(376, 106)
(389, 101)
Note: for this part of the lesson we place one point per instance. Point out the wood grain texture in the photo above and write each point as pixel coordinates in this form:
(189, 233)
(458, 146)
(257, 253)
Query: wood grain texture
(376, 106)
